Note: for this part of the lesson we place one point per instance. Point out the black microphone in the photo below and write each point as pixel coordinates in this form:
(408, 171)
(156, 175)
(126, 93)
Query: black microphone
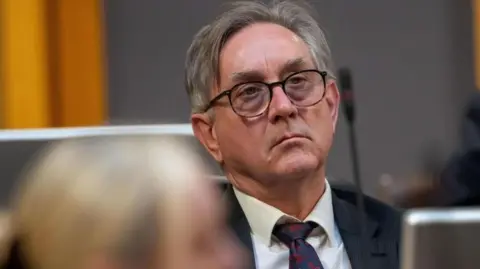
(348, 104)
(346, 89)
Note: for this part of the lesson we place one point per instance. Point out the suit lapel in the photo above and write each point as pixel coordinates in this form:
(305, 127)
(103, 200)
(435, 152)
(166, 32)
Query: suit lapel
(239, 224)
(372, 254)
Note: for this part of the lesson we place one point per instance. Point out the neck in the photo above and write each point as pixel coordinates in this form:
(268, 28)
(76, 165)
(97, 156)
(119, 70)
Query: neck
(296, 197)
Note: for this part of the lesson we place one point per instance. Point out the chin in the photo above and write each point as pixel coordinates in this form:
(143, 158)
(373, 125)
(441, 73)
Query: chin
(296, 164)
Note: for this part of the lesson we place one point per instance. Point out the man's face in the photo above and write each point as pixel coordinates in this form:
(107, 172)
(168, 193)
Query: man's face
(259, 147)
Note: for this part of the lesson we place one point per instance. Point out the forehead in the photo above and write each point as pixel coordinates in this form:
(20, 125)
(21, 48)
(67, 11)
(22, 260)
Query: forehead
(265, 48)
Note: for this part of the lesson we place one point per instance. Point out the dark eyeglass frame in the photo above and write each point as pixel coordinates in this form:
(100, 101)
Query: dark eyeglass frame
(270, 86)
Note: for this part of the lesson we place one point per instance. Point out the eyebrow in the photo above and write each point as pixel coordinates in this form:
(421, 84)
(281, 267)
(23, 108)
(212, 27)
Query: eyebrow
(290, 66)
(293, 65)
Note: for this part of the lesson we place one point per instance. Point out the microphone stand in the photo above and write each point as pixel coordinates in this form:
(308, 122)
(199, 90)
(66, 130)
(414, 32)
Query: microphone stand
(359, 190)
(348, 105)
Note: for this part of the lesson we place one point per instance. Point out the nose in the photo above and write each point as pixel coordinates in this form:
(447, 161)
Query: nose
(281, 107)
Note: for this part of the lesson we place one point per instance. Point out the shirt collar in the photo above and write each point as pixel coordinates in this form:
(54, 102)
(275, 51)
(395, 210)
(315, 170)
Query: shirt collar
(263, 217)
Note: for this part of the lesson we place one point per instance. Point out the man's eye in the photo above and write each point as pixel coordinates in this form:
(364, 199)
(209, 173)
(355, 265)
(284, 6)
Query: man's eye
(296, 80)
(249, 91)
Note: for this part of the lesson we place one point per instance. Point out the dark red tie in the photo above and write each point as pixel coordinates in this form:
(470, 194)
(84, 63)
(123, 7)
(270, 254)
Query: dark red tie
(302, 254)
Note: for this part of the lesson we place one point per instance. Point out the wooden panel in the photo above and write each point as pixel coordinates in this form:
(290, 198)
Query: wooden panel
(24, 64)
(80, 83)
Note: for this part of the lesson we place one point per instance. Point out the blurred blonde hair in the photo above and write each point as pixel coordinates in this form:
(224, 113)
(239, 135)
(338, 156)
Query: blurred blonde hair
(4, 233)
(123, 197)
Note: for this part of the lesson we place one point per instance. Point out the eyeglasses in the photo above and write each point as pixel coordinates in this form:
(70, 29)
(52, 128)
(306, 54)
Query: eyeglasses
(250, 99)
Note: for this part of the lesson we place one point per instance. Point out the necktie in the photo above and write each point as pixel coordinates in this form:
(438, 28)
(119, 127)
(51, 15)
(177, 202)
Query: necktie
(302, 254)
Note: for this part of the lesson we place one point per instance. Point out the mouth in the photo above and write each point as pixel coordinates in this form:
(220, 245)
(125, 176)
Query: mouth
(290, 137)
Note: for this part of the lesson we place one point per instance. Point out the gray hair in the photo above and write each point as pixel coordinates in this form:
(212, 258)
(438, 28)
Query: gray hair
(202, 61)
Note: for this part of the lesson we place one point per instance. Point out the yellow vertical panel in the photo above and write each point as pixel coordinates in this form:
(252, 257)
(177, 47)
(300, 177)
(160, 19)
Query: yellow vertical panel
(24, 64)
(476, 37)
(80, 67)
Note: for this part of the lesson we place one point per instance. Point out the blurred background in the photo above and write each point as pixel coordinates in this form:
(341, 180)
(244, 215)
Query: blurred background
(71, 63)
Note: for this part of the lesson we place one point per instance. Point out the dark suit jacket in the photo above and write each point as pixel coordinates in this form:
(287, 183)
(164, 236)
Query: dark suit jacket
(383, 225)
(460, 180)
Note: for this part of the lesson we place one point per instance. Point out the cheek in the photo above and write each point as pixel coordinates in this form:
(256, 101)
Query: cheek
(242, 137)
(185, 251)
(177, 254)
(321, 124)
(179, 232)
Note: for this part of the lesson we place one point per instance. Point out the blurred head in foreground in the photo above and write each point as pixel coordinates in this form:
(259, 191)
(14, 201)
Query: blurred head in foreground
(115, 203)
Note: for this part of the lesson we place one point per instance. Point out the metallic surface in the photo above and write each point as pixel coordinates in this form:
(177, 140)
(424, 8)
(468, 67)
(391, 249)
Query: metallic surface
(441, 239)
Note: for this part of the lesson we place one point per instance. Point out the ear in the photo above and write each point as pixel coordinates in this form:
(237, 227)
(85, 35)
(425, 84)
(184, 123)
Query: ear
(204, 129)
(332, 97)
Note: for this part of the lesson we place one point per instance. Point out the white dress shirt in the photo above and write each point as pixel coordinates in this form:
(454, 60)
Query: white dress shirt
(270, 253)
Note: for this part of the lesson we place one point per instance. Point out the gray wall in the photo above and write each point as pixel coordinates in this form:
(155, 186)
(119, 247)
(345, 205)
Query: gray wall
(411, 61)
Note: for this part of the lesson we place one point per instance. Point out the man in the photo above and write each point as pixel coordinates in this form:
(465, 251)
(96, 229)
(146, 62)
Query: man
(265, 105)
